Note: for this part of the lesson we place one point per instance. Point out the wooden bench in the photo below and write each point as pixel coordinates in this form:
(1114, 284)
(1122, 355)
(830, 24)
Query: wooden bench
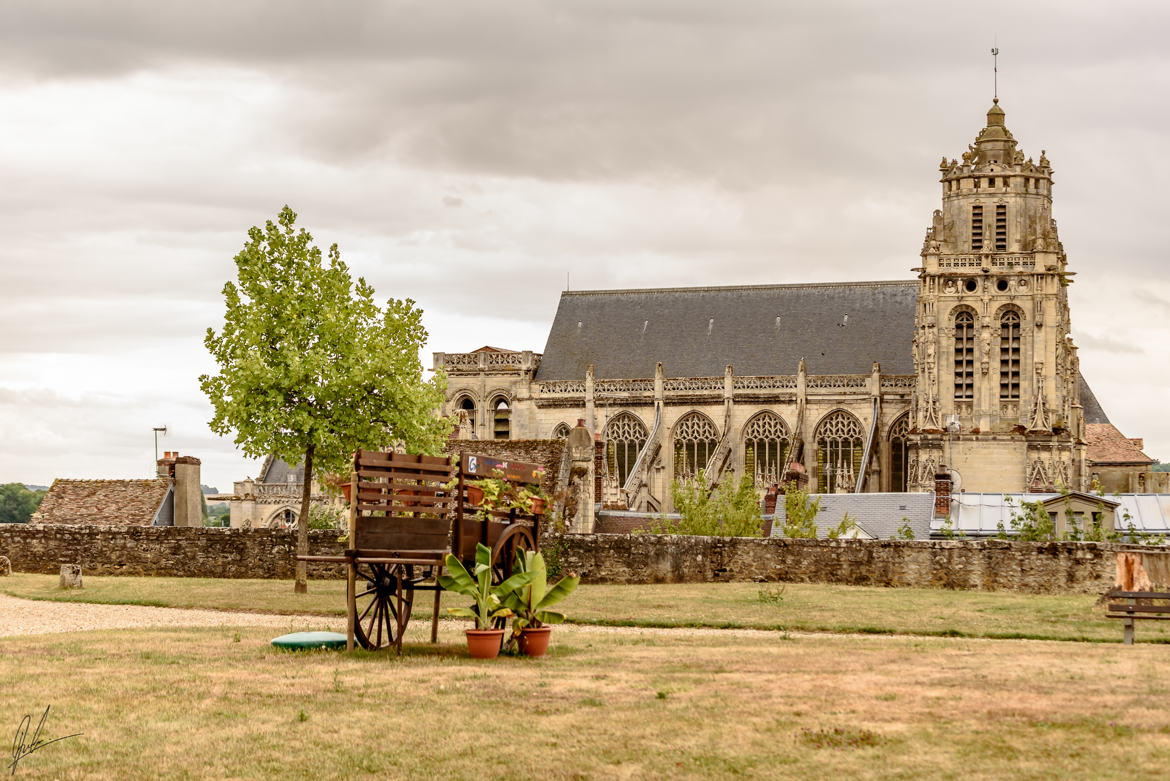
(1138, 605)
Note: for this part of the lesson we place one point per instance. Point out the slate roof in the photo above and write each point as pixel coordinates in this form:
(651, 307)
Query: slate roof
(1092, 407)
(105, 502)
(276, 470)
(761, 330)
(877, 515)
(1107, 445)
(839, 328)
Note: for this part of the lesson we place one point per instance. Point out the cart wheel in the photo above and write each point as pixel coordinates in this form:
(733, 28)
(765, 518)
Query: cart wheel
(515, 538)
(385, 593)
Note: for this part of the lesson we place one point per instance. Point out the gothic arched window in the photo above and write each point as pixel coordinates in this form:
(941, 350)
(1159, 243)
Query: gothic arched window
(501, 419)
(695, 439)
(465, 416)
(765, 445)
(964, 355)
(899, 454)
(839, 440)
(625, 436)
(561, 431)
(1009, 356)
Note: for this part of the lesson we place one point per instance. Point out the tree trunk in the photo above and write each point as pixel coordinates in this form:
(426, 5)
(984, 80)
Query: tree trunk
(302, 584)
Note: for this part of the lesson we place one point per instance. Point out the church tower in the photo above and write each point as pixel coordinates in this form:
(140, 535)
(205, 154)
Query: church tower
(997, 396)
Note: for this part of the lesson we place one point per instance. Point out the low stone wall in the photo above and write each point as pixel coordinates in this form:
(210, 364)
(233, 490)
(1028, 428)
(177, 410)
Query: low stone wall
(165, 550)
(981, 565)
(601, 558)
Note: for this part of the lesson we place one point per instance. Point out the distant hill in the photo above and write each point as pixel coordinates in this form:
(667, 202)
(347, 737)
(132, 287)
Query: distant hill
(207, 489)
(32, 487)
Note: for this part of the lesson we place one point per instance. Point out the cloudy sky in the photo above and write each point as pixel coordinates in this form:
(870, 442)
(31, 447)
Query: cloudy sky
(471, 155)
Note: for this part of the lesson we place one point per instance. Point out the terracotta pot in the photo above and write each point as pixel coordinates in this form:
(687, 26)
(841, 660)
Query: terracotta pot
(474, 495)
(534, 641)
(484, 643)
(346, 489)
(539, 506)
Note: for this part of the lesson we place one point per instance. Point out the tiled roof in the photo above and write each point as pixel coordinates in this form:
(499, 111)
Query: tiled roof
(104, 502)
(1107, 445)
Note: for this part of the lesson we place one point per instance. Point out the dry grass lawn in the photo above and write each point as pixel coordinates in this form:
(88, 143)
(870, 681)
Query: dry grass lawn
(608, 703)
(794, 606)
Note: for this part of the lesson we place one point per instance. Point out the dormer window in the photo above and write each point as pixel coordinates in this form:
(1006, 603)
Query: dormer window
(991, 182)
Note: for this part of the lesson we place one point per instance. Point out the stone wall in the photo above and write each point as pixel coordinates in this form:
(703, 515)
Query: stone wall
(980, 565)
(603, 558)
(165, 550)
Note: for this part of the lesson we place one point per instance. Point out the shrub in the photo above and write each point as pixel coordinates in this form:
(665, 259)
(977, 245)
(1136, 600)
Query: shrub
(800, 514)
(731, 510)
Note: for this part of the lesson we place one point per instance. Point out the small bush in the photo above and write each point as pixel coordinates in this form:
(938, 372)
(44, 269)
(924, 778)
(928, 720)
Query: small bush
(731, 510)
(800, 514)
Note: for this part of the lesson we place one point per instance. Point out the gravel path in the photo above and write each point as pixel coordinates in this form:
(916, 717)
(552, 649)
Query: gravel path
(35, 617)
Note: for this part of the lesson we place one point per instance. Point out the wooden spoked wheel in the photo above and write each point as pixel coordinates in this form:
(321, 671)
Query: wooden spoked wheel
(384, 594)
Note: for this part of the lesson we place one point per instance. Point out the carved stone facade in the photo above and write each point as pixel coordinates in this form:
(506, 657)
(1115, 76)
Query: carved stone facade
(997, 397)
(969, 369)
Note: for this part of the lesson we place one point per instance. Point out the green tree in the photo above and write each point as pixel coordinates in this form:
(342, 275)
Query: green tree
(310, 367)
(17, 503)
(731, 510)
(800, 514)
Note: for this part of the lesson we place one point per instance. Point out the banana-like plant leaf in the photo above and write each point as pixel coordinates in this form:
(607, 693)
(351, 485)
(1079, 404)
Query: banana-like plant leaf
(550, 617)
(562, 589)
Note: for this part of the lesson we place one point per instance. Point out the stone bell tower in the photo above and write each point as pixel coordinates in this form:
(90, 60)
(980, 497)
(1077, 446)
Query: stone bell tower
(997, 398)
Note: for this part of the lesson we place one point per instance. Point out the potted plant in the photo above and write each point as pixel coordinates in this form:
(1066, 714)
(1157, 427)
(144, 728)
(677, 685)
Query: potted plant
(483, 642)
(530, 601)
(529, 500)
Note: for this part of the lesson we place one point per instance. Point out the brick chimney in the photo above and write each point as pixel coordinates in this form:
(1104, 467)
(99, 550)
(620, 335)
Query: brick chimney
(942, 495)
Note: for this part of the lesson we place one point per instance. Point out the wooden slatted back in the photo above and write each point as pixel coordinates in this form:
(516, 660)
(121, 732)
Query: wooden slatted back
(399, 504)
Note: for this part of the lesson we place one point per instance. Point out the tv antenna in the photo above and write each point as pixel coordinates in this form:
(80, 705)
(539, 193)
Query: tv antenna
(995, 69)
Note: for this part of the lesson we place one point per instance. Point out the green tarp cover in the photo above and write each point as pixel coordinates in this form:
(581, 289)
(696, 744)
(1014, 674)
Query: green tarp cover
(310, 640)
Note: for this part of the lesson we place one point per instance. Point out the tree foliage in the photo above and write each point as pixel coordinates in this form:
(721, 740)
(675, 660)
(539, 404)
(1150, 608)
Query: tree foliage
(731, 510)
(17, 503)
(310, 367)
(800, 514)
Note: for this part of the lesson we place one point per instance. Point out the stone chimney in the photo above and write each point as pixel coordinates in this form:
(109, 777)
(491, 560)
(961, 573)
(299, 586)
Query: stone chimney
(183, 471)
(942, 495)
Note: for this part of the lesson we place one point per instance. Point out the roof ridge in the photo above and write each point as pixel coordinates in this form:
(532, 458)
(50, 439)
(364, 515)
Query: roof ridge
(729, 288)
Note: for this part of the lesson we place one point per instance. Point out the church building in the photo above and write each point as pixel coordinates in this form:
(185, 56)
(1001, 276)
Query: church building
(969, 369)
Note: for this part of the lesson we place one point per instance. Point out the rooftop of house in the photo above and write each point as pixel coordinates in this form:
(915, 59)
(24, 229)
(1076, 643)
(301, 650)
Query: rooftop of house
(1106, 445)
(878, 516)
(105, 502)
(980, 514)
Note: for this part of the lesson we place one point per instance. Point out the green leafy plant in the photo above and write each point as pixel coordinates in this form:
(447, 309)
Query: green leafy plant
(310, 367)
(731, 510)
(477, 584)
(948, 530)
(530, 603)
(905, 531)
(800, 513)
(844, 528)
(1031, 523)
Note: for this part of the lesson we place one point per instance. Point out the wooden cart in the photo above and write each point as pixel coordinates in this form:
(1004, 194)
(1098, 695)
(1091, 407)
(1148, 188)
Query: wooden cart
(406, 513)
